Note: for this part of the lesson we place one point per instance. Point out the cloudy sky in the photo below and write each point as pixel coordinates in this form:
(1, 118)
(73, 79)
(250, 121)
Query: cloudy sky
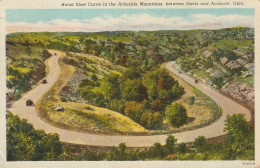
(93, 20)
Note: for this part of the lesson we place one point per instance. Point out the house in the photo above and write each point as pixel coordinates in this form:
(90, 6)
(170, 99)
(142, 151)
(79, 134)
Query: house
(207, 54)
(241, 62)
(223, 60)
(233, 65)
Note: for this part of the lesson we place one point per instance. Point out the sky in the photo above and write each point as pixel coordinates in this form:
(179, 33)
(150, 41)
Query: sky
(95, 20)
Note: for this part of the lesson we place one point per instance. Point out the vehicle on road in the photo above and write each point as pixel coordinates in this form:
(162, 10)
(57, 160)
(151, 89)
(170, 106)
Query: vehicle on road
(29, 102)
(44, 81)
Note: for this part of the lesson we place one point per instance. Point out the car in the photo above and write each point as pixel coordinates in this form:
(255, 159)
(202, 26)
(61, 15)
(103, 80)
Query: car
(29, 102)
(44, 81)
(196, 81)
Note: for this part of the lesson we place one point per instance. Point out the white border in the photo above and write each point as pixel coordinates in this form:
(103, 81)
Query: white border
(55, 4)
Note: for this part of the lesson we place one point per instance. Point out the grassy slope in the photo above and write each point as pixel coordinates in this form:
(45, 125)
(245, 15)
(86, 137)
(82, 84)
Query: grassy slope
(204, 109)
(28, 64)
(76, 117)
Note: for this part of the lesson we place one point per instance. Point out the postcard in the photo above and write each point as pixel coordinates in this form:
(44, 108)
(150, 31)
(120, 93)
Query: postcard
(129, 83)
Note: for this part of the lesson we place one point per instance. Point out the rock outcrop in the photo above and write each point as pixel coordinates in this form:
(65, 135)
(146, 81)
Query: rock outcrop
(240, 91)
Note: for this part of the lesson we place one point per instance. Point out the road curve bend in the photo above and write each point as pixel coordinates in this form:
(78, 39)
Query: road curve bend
(29, 113)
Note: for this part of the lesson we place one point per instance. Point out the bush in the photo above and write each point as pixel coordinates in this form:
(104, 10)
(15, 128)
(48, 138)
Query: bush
(191, 100)
(176, 114)
(26, 143)
(117, 105)
(170, 144)
(151, 120)
(200, 143)
(157, 105)
(133, 110)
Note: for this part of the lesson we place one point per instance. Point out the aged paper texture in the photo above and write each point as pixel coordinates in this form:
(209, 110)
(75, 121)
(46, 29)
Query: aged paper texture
(163, 83)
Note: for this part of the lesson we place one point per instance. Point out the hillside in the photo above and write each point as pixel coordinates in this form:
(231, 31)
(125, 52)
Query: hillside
(127, 73)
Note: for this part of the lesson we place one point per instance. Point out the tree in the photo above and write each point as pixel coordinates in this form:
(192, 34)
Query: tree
(200, 143)
(176, 114)
(118, 153)
(117, 105)
(110, 86)
(182, 148)
(157, 120)
(164, 96)
(26, 143)
(146, 119)
(157, 151)
(133, 110)
(176, 91)
(157, 105)
(239, 135)
(134, 90)
(170, 144)
(45, 54)
(151, 120)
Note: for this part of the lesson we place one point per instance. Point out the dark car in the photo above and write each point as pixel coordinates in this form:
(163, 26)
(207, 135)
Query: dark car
(44, 81)
(29, 102)
(196, 81)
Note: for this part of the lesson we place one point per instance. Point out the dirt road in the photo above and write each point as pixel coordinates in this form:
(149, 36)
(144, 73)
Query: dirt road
(213, 130)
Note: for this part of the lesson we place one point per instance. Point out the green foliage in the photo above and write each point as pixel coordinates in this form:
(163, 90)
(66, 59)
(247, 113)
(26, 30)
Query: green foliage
(170, 144)
(176, 114)
(118, 153)
(117, 105)
(200, 143)
(151, 120)
(239, 136)
(25, 66)
(191, 100)
(157, 105)
(182, 148)
(26, 143)
(134, 90)
(133, 110)
(109, 86)
(157, 151)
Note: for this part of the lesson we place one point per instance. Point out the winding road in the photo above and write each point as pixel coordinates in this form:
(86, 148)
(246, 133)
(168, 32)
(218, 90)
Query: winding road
(29, 112)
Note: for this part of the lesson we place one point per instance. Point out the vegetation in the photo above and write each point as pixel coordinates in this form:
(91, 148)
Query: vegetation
(140, 95)
(121, 72)
(26, 143)
(176, 114)
(25, 66)
(124, 72)
(82, 116)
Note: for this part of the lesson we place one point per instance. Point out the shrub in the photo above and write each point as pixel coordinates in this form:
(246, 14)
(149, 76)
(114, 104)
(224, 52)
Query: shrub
(200, 143)
(151, 120)
(191, 100)
(176, 114)
(157, 105)
(133, 110)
